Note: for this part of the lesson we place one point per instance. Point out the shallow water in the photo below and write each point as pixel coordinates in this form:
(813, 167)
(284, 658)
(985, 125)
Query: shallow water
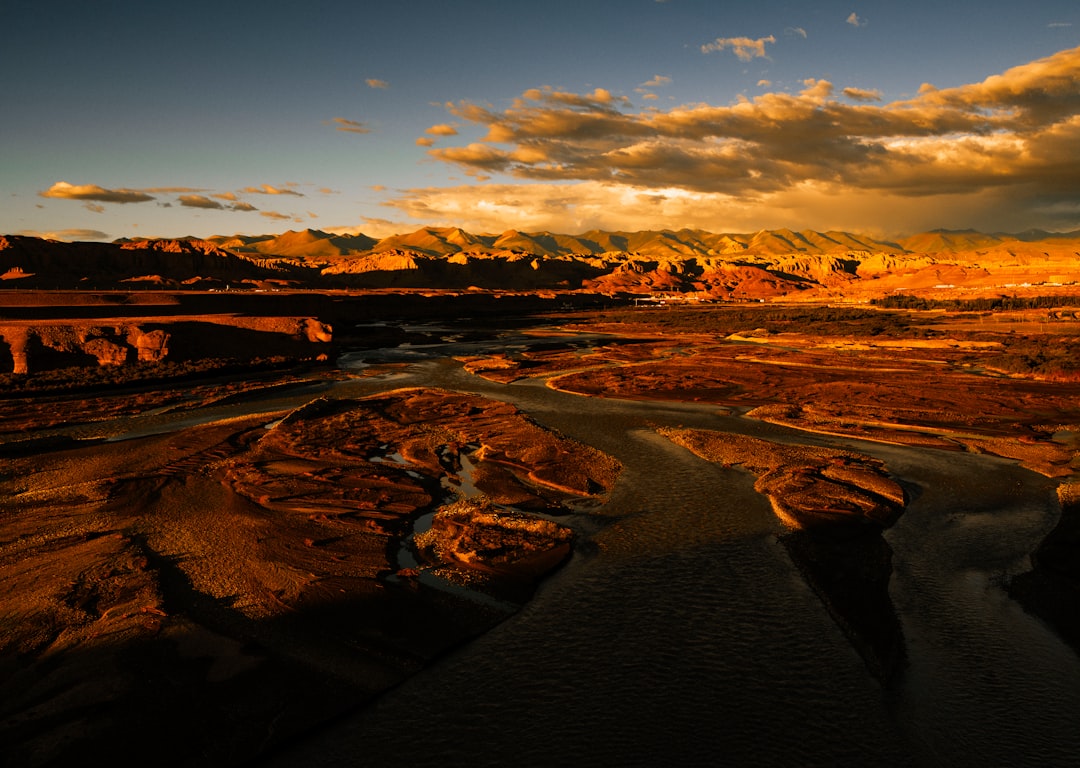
(685, 635)
(986, 683)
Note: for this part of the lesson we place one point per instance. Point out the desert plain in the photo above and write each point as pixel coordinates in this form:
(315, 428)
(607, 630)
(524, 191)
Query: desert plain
(239, 506)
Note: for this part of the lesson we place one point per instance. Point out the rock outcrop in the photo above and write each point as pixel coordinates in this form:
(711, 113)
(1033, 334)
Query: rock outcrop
(41, 345)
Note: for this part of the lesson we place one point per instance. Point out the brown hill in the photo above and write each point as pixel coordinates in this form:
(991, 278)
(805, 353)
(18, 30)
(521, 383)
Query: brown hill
(32, 262)
(435, 241)
(306, 244)
(950, 241)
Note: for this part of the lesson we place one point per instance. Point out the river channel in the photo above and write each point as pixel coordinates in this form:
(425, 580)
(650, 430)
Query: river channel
(681, 633)
(684, 635)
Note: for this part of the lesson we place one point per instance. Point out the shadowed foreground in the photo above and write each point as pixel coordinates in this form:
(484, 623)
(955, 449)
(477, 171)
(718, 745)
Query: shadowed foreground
(217, 590)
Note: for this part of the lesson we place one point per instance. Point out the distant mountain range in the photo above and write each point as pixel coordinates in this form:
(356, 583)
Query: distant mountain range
(767, 264)
(443, 241)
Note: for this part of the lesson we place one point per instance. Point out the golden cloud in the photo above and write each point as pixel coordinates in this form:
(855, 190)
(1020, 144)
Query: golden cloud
(657, 81)
(64, 191)
(600, 98)
(744, 48)
(206, 203)
(68, 235)
(373, 227)
(200, 201)
(348, 126)
(442, 129)
(374, 82)
(168, 190)
(860, 94)
(579, 207)
(1016, 131)
(266, 189)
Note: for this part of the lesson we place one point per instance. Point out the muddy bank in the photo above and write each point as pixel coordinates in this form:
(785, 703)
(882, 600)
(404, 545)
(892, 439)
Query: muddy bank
(1051, 590)
(836, 505)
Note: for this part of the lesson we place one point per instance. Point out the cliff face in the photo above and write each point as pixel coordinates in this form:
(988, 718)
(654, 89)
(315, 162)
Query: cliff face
(32, 346)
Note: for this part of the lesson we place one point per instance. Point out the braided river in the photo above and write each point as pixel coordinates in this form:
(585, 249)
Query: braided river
(681, 632)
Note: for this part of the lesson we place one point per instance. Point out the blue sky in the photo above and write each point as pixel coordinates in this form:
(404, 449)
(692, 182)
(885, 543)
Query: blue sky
(127, 119)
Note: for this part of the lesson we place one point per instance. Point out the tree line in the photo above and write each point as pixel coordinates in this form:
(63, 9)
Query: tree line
(995, 304)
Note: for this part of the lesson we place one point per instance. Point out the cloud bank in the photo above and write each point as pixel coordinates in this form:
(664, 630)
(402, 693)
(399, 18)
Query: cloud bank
(1009, 141)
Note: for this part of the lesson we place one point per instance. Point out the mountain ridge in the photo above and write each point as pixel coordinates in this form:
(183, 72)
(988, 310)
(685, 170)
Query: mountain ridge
(766, 264)
(665, 242)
